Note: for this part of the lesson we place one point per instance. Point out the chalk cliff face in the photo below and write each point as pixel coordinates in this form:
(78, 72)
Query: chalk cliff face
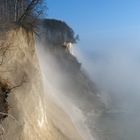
(69, 85)
(27, 118)
(50, 97)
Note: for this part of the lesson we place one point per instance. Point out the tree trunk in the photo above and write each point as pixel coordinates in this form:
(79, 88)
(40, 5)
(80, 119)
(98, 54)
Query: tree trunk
(16, 10)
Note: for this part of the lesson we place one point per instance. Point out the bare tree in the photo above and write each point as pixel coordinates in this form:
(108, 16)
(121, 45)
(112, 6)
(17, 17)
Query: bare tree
(20, 11)
(29, 11)
(3, 50)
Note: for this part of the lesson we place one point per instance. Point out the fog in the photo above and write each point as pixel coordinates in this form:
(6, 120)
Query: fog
(61, 91)
(115, 70)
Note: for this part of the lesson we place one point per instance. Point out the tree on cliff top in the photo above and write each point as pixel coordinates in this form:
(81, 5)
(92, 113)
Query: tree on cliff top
(29, 18)
(58, 32)
(20, 11)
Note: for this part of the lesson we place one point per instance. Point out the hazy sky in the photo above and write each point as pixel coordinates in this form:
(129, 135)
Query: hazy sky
(98, 22)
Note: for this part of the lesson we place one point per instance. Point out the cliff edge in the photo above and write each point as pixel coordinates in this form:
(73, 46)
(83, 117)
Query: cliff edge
(25, 118)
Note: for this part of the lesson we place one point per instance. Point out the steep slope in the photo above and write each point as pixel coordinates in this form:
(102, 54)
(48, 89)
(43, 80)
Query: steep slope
(69, 85)
(27, 118)
(54, 101)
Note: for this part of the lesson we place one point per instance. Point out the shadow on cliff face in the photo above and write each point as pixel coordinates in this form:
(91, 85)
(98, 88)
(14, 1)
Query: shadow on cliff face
(4, 107)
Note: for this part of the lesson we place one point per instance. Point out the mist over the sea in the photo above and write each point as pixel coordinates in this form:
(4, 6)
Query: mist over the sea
(113, 63)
